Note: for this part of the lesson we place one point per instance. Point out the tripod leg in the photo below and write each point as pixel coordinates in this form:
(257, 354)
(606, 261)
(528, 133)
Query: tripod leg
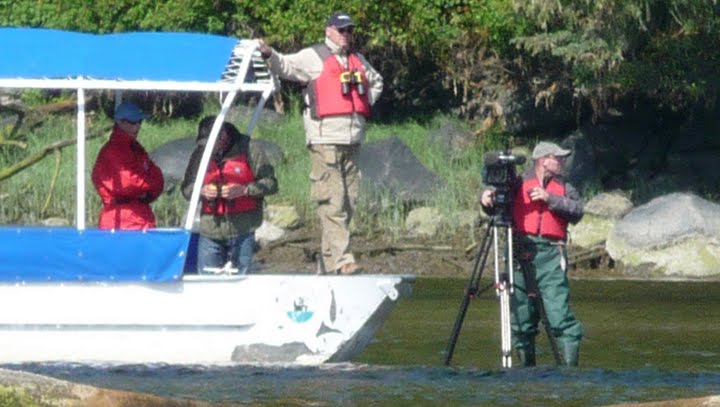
(506, 335)
(504, 289)
(470, 291)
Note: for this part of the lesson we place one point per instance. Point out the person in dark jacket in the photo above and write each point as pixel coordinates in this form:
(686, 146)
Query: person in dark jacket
(542, 206)
(125, 177)
(237, 179)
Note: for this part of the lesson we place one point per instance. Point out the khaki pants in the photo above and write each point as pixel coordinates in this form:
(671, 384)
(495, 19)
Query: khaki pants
(334, 186)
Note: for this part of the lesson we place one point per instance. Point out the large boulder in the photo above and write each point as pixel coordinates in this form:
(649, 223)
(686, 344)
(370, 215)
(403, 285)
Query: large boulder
(674, 235)
(172, 158)
(389, 167)
(601, 214)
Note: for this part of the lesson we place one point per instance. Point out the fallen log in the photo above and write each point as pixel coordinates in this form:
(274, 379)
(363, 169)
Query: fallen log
(8, 172)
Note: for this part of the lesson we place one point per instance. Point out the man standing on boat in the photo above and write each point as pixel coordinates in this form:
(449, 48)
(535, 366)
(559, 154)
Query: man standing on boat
(341, 87)
(238, 177)
(125, 177)
(542, 205)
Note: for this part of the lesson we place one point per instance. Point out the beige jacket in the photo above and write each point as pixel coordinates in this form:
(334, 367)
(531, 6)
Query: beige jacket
(305, 66)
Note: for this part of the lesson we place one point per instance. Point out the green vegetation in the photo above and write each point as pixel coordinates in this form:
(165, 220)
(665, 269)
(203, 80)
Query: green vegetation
(10, 397)
(440, 54)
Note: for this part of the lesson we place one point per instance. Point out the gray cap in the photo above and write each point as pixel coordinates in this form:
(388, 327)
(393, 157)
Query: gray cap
(547, 148)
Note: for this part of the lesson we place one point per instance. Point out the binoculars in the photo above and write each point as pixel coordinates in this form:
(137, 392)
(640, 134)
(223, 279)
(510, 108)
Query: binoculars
(349, 78)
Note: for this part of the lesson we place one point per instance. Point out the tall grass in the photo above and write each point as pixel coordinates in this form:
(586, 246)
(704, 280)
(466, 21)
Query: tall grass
(23, 196)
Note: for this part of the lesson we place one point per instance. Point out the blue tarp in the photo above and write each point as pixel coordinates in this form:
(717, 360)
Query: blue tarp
(36, 53)
(67, 254)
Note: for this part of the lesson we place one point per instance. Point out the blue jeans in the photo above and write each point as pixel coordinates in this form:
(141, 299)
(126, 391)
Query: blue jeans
(215, 253)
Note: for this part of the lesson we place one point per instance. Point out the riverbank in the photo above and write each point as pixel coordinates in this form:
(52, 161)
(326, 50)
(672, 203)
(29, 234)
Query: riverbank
(449, 257)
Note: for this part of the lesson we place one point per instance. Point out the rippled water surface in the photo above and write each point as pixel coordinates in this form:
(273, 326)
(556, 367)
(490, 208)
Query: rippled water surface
(643, 342)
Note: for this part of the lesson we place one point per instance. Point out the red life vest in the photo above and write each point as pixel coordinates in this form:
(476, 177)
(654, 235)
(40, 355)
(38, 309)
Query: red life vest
(325, 91)
(235, 170)
(534, 217)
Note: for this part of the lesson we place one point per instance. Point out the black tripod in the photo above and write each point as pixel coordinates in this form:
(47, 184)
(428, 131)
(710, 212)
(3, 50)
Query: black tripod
(503, 285)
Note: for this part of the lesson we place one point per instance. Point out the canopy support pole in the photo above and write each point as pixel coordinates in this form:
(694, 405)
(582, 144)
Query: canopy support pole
(80, 160)
(245, 65)
(205, 160)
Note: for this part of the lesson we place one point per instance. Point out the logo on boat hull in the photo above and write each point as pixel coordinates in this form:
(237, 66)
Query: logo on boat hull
(300, 312)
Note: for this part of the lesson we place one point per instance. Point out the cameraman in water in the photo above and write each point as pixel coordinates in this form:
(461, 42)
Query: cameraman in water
(542, 205)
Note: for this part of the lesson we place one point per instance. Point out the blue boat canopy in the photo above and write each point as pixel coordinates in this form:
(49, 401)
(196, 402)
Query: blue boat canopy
(137, 60)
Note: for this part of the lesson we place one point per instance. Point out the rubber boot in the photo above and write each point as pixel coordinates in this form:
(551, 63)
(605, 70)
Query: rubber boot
(526, 355)
(569, 352)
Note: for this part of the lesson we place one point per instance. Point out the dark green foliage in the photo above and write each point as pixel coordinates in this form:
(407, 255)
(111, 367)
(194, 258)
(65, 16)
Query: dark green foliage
(443, 54)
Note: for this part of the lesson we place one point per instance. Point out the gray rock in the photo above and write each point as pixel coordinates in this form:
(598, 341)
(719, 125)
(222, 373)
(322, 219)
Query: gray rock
(673, 235)
(268, 233)
(451, 138)
(601, 214)
(283, 216)
(172, 158)
(389, 167)
(611, 205)
(423, 221)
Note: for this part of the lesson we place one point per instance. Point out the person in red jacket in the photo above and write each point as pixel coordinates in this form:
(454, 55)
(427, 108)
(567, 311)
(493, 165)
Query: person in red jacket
(125, 177)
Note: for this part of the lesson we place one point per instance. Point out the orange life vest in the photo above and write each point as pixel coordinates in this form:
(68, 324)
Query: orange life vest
(534, 217)
(235, 170)
(325, 91)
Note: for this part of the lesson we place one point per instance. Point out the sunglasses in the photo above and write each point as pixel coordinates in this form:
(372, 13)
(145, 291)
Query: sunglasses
(345, 30)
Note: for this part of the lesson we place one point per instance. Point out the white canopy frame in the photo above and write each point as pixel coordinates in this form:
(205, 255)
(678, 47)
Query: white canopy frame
(246, 72)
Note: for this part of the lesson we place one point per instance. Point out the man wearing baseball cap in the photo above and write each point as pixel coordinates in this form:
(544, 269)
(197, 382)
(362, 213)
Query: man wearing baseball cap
(124, 176)
(341, 87)
(542, 206)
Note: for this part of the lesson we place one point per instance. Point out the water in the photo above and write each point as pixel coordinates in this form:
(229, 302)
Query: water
(644, 342)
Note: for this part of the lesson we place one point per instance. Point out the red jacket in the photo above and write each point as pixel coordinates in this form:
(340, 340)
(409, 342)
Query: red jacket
(235, 170)
(127, 181)
(327, 89)
(534, 217)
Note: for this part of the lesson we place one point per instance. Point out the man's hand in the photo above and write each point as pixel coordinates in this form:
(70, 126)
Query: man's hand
(232, 191)
(209, 191)
(487, 199)
(538, 194)
(264, 48)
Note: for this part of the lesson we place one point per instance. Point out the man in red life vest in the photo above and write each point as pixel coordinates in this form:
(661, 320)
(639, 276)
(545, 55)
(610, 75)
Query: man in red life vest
(238, 177)
(125, 177)
(341, 87)
(542, 206)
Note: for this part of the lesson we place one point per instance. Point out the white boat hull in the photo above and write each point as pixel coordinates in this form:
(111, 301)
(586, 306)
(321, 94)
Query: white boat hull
(288, 319)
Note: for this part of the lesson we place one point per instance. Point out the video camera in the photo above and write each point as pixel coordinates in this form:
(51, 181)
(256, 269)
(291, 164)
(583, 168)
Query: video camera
(499, 172)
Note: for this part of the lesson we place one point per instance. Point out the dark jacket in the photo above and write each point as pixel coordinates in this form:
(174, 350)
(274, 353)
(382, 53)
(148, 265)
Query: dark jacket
(228, 226)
